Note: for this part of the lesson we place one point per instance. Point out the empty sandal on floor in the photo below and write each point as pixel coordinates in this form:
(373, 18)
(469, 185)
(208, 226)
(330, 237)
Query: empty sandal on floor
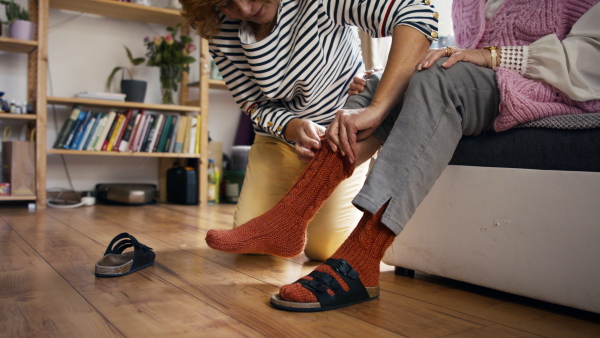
(116, 263)
(322, 282)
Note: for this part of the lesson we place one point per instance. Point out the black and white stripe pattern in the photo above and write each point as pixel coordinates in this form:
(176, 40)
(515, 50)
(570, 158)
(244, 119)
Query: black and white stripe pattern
(304, 67)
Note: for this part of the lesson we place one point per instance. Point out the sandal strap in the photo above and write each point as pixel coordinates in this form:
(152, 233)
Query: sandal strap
(322, 282)
(126, 241)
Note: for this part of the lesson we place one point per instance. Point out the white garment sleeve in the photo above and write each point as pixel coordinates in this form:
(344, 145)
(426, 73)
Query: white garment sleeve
(570, 65)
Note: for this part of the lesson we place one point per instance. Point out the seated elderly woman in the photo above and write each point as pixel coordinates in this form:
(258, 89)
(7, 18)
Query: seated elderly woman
(521, 60)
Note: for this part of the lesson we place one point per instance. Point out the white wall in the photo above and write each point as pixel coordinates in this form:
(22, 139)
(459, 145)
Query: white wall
(83, 49)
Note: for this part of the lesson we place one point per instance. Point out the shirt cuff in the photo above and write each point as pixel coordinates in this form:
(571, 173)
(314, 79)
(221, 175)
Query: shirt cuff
(514, 58)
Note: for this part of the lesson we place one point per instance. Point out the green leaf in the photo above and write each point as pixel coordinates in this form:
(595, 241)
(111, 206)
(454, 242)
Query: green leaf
(138, 61)
(188, 60)
(111, 76)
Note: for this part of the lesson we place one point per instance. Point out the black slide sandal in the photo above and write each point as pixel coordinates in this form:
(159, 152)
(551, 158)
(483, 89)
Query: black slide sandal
(115, 263)
(322, 282)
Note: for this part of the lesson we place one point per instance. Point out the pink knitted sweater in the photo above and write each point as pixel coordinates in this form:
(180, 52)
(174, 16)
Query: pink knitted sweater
(519, 23)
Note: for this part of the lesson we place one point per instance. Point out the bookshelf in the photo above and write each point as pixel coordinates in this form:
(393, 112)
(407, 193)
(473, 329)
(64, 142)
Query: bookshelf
(163, 16)
(35, 50)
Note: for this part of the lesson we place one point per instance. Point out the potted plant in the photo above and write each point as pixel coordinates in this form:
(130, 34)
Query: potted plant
(20, 25)
(134, 90)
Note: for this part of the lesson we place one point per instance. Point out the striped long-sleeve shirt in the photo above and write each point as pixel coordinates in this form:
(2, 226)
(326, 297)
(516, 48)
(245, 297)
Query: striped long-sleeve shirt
(304, 66)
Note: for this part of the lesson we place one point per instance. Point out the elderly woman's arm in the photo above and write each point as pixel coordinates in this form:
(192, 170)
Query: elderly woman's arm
(569, 65)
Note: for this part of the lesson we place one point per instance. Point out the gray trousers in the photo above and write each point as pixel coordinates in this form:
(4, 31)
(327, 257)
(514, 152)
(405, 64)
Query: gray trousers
(421, 134)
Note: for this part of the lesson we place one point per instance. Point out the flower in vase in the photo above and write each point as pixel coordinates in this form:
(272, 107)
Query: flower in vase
(171, 54)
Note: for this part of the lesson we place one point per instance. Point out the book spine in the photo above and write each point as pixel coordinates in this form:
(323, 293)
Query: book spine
(116, 132)
(192, 138)
(128, 116)
(146, 136)
(73, 132)
(130, 133)
(98, 131)
(180, 134)
(110, 132)
(173, 135)
(81, 131)
(165, 134)
(159, 130)
(66, 128)
(109, 121)
(90, 135)
(138, 134)
(151, 134)
(86, 133)
(198, 134)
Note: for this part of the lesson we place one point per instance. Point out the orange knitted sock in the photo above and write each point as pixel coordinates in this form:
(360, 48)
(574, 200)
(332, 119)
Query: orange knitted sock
(281, 231)
(363, 249)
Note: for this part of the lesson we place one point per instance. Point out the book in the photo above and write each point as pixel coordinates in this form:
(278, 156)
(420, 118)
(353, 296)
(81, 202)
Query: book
(191, 147)
(145, 138)
(165, 134)
(73, 131)
(130, 132)
(66, 128)
(109, 122)
(90, 135)
(170, 146)
(198, 134)
(180, 134)
(116, 132)
(103, 117)
(186, 136)
(101, 96)
(133, 146)
(128, 116)
(151, 134)
(81, 131)
(111, 130)
(87, 131)
(159, 131)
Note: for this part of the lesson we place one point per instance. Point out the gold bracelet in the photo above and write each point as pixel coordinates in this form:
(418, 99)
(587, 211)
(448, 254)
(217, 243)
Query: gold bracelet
(492, 50)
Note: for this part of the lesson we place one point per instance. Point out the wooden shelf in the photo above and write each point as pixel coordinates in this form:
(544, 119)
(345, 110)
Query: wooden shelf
(214, 84)
(18, 198)
(122, 10)
(17, 45)
(9, 116)
(119, 104)
(126, 154)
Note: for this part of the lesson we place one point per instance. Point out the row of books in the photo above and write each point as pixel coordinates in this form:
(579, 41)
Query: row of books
(130, 131)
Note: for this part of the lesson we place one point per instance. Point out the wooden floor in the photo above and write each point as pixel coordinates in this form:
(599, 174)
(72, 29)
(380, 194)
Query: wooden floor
(48, 288)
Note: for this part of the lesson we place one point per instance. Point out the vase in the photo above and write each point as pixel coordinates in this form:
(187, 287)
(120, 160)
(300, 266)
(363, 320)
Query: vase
(22, 29)
(170, 76)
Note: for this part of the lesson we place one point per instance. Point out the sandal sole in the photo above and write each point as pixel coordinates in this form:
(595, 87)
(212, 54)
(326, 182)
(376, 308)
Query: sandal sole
(113, 265)
(281, 304)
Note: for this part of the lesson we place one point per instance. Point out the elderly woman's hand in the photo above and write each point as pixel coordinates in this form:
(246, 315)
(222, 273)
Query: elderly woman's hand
(479, 57)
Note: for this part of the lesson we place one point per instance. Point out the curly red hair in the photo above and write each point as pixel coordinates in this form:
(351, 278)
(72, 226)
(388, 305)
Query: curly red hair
(203, 16)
